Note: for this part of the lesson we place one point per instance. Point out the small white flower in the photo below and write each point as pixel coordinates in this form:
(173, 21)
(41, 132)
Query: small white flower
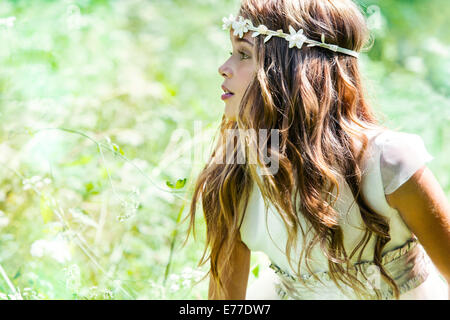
(227, 22)
(4, 220)
(262, 29)
(198, 275)
(108, 294)
(57, 249)
(174, 287)
(73, 281)
(187, 270)
(15, 296)
(296, 38)
(174, 277)
(35, 179)
(186, 283)
(240, 27)
(186, 275)
(7, 22)
(92, 294)
(27, 186)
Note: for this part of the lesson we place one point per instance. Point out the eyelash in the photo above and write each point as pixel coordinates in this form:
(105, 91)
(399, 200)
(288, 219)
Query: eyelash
(240, 52)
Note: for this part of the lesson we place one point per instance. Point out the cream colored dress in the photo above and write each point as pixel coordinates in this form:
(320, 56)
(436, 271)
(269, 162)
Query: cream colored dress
(391, 159)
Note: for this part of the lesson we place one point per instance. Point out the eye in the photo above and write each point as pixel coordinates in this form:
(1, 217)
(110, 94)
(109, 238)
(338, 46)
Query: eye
(243, 55)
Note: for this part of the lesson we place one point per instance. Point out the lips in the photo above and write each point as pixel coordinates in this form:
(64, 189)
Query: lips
(227, 94)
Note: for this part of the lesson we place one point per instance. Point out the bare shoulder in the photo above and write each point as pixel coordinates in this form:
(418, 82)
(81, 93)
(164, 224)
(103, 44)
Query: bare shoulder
(421, 191)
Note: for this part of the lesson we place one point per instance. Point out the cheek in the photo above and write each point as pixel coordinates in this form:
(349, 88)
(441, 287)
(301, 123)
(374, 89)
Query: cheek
(247, 77)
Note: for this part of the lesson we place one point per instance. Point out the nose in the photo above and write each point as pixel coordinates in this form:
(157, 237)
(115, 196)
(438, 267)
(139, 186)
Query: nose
(225, 71)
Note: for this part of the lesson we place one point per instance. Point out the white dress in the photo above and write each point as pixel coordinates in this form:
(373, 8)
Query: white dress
(391, 159)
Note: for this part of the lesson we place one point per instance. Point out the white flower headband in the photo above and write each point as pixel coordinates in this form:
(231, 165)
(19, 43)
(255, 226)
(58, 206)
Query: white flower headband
(296, 38)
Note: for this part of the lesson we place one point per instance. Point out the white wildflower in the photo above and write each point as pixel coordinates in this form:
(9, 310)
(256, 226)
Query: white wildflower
(187, 273)
(108, 294)
(186, 283)
(29, 294)
(7, 22)
(198, 275)
(36, 182)
(227, 22)
(174, 277)
(15, 296)
(35, 179)
(4, 220)
(240, 27)
(57, 249)
(130, 205)
(296, 38)
(92, 294)
(174, 287)
(131, 137)
(73, 277)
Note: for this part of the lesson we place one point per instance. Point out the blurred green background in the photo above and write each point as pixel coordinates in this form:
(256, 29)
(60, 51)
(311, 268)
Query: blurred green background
(105, 105)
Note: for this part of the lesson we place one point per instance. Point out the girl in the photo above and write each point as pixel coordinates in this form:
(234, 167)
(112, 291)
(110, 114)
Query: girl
(351, 210)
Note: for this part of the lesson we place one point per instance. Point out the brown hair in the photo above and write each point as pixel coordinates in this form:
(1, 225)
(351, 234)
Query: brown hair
(314, 97)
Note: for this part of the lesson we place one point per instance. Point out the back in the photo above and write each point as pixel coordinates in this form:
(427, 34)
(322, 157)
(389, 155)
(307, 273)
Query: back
(390, 160)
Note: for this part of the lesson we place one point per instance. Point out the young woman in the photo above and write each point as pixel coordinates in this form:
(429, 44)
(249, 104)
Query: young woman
(351, 210)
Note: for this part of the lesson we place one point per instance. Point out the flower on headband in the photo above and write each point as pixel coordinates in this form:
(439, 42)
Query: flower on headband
(279, 33)
(227, 22)
(240, 27)
(262, 29)
(296, 38)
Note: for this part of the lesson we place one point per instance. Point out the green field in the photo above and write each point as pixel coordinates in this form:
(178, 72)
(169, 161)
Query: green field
(103, 107)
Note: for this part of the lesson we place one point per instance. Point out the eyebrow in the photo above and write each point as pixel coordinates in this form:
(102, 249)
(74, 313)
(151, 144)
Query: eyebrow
(244, 40)
(237, 39)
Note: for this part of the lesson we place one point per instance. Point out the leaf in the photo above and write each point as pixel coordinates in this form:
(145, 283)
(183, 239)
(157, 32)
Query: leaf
(178, 185)
(169, 184)
(255, 271)
(91, 188)
(46, 211)
(117, 149)
(18, 273)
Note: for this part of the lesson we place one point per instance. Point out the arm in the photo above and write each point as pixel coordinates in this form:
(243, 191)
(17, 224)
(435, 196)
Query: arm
(235, 276)
(425, 209)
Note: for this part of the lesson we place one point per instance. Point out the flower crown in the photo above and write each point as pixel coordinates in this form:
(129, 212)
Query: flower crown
(295, 38)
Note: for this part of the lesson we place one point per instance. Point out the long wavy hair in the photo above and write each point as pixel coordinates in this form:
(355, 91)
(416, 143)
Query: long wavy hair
(314, 97)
